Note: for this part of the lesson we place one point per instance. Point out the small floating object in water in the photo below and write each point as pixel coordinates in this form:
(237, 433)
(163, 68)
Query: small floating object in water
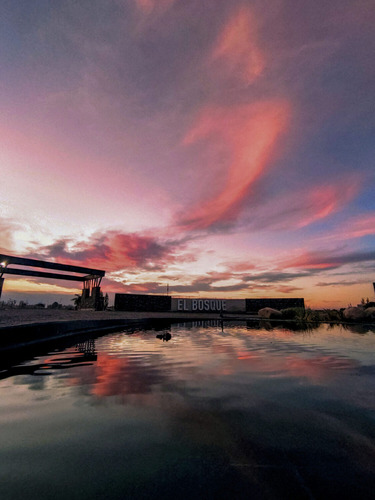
(164, 336)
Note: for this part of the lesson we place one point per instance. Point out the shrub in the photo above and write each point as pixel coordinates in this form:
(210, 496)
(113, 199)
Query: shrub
(297, 313)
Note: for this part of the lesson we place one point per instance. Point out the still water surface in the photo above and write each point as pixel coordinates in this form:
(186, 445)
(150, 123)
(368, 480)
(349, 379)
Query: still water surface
(192, 411)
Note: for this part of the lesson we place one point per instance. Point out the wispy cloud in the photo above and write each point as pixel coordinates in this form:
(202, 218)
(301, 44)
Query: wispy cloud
(353, 227)
(340, 283)
(302, 207)
(236, 49)
(328, 259)
(149, 6)
(7, 230)
(251, 133)
(288, 289)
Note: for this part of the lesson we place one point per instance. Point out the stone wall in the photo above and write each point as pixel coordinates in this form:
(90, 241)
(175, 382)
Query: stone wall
(134, 302)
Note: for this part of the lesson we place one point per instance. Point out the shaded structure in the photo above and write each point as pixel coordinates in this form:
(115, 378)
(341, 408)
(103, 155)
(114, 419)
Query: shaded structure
(90, 278)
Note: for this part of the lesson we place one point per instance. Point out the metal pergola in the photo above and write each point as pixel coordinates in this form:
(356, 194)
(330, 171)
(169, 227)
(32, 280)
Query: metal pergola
(87, 276)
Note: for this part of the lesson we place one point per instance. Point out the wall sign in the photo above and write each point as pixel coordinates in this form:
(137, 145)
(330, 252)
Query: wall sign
(212, 305)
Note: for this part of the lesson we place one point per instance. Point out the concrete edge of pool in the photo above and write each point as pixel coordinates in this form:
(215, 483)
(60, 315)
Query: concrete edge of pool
(36, 329)
(20, 335)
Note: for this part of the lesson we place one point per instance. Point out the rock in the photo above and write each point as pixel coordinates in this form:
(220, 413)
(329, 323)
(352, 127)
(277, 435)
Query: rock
(354, 313)
(269, 313)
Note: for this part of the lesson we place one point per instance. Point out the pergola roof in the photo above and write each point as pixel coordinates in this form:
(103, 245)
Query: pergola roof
(88, 273)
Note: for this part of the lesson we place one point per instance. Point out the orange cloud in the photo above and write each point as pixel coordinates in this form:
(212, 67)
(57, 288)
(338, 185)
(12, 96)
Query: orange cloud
(250, 131)
(237, 48)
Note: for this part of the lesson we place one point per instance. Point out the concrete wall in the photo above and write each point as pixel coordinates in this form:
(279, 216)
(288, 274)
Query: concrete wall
(135, 302)
(253, 305)
(165, 303)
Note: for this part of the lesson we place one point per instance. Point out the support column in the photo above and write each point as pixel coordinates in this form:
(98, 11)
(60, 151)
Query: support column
(1, 285)
(98, 300)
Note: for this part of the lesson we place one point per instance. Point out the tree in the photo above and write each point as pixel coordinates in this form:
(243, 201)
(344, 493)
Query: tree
(55, 305)
(77, 299)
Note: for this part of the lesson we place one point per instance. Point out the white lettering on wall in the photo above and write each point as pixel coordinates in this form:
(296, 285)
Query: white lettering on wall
(209, 305)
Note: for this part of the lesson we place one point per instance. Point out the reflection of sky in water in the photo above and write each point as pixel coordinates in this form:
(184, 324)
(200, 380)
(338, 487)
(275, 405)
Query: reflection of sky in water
(238, 407)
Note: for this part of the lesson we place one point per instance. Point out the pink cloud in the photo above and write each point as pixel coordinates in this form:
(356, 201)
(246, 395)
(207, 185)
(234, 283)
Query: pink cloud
(112, 251)
(250, 132)
(316, 368)
(327, 259)
(7, 229)
(303, 207)
(62, 173)
(148, 6)
(312, 260)
(354, 227)
(323, 201)
(237, 50)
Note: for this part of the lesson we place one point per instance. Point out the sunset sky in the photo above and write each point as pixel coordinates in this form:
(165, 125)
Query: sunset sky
(225, 148)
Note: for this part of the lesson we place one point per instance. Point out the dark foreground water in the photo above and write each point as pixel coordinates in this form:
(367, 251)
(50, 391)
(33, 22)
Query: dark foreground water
(192, 412)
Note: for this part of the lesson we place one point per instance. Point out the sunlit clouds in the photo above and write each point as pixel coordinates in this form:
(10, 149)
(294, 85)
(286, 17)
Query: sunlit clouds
(250, 133)
(220, 148)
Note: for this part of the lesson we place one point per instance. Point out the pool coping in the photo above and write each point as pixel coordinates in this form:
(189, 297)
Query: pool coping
(28, 334)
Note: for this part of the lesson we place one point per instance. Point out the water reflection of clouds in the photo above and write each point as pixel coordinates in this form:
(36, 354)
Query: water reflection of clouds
(139, 368)
(199, 363)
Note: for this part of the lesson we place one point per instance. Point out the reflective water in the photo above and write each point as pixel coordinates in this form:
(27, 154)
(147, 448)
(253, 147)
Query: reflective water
(192, 411)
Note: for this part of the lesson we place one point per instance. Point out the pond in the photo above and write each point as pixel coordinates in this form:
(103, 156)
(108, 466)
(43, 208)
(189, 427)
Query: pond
(200, 410)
